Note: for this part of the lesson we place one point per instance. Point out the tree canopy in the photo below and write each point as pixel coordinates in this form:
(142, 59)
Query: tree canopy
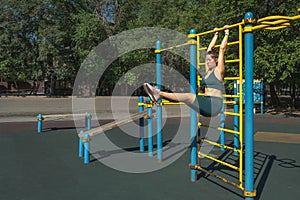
(38, 37)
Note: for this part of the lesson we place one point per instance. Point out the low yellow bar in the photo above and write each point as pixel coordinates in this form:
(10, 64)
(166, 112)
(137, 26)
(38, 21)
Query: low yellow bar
(219, 128)
(229, 102)
(198, 167)
(229, 131)
(172, 103)
(231, 113)
(231, 96)
(218, 161)
(165, 102)
(220, 145)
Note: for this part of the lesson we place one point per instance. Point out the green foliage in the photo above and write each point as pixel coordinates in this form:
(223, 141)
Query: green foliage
(38, 36)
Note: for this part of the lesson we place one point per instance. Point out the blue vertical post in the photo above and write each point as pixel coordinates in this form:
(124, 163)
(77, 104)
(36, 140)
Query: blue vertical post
(261, 97)
(40, 123)
(80, 146)
(150, 129)
(236, 119)
(159, 107)
(249, 125)
(86, 152)
(142, 124)
(222, 125)
(193, 114)
(88, 118)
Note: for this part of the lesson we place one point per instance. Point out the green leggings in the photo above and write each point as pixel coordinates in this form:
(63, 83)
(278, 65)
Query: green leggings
(208, 106)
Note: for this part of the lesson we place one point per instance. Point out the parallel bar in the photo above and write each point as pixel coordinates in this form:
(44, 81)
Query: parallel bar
(63, 116)
(111, 125)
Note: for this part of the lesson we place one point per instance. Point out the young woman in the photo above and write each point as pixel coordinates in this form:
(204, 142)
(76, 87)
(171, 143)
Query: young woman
(211, 103)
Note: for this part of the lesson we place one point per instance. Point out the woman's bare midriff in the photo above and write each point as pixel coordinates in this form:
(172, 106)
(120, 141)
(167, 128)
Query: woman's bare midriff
(213, 92)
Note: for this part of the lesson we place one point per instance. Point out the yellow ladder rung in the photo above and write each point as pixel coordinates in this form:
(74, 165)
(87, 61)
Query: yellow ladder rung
(228, 44)
(231, 96)
(229, 131)
(232, 61)
(218, 161)
(231, 78)
(198, 167)
(219, 128)
(230, 102)
(232, 113)
(220, 145)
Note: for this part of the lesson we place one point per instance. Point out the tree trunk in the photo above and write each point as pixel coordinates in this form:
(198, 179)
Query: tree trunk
(293, 93)
(274, 98)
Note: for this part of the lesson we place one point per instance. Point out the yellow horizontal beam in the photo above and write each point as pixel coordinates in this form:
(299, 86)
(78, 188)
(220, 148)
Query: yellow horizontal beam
(232, 113)
(219, 29)
(221, 146)
(219, 128)
(231, 78)
(218, 161)
(232, 61)
(229, 102)
(231, 96)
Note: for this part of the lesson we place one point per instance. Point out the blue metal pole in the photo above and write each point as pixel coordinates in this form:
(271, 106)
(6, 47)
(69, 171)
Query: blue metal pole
(88, 118)
(193, 114)
(222, 125)
(142, 124)
(249, 125)
(261, 97)
(80, 146)
(40, 123)
(150, 129)
(86, 149)
(159, 107)
(236, 119)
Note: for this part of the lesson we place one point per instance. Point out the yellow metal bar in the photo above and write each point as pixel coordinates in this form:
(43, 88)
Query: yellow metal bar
(231, 78)
(216, 46)
(170, 48)
(231, 96)
(229, 102)
(220, 29)
(218, 161)
(232, 61)
(198, 167)
(219, 128)
(232, 114)
(220, 145)
(241, 105)
(172, 103)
